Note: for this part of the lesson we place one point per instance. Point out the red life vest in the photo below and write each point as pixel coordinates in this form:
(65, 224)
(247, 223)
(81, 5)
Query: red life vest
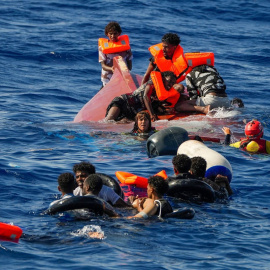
(255, 145)
(171, 95)
(108, 46)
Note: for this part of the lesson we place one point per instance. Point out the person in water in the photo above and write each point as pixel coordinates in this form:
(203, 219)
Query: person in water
(82, 171)
(253, 141)
(92, 187)
(206, 89)
(128, 105)
(115, 45)
(155, 204)
(198, 170)
(143, 124)
(181, 166)
(66, 185)
(169, 45)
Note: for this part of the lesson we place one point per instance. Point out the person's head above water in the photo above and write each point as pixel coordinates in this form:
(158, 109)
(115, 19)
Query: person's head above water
(254, 129)
(181, 163)
(92, 184)
(142, 122)
(169, 79)
(237, 102)
(113, 30)
(198, 167)
(82, 170)
(66, 183)
(170, 41)
(157, 186)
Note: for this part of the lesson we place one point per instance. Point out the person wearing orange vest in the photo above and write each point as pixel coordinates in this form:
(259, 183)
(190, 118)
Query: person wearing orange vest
(116, 45)
(128, 105)
(163, 56)
(253, 141)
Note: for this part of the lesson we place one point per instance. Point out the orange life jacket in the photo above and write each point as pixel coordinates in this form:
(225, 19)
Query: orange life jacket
(195, 59)
(177, 64)
(108, 46)
(181, 64)
(171, 95)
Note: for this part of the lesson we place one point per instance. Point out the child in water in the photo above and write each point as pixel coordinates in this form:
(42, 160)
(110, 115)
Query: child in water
(115, 45)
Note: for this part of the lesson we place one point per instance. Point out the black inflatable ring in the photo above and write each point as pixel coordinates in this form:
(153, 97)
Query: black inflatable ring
(78, 202)
(191, 190)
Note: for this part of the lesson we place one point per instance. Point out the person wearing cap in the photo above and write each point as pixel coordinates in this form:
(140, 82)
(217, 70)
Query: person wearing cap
(253, 141)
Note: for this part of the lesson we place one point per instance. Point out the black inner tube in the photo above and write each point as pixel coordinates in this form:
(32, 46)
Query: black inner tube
(191, 190)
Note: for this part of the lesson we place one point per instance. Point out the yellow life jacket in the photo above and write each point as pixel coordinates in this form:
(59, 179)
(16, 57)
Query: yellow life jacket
(171, 95)
(108, 46)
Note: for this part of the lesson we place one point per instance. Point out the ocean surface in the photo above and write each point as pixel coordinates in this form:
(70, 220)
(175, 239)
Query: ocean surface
(49, 70)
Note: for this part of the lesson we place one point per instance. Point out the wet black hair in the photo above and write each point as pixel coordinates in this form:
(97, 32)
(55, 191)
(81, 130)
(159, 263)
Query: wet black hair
(181, 163)
(113, 26)
(237, 102)
(171, 38)
(84, 167)
(94, 183)
(66, 182)
(198, 167)
(159, 184)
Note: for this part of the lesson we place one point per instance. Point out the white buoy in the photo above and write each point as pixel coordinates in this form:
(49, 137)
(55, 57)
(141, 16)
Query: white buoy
(216, 163)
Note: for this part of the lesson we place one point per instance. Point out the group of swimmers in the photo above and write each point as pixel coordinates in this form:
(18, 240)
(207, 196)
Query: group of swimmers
(89, 183)
(161, 91)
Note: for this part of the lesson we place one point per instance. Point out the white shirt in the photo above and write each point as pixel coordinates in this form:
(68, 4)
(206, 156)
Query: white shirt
(106, 193)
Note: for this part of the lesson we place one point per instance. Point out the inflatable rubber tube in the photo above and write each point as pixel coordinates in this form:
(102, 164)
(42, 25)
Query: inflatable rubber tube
(112, 183)
(182, 213)
(8, 231)
(216, 163)
(191, 190)
(92, 203)
(166, 141)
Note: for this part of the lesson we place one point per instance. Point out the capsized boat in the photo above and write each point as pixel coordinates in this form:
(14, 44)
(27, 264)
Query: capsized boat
(122, 82)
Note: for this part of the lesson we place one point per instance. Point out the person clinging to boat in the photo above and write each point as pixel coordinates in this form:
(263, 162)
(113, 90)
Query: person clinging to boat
(154, 204)
(115, 45)
(253, 141)
(125, 107)
(206, 90)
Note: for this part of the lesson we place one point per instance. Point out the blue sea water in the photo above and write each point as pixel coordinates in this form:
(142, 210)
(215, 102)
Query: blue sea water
(49, 70)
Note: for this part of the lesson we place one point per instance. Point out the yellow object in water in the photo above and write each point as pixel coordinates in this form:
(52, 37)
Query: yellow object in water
(252, 147)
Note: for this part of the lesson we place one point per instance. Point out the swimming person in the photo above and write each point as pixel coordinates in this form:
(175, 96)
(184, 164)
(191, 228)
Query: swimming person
(143, 125)
(253, 141)
(155, 204)
(66, 185)
(115, 45)
(82, 171)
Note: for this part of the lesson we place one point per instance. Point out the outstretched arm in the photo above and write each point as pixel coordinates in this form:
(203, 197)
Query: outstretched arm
(227, 132)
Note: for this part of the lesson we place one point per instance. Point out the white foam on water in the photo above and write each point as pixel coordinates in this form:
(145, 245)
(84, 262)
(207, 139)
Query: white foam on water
(90, 231)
